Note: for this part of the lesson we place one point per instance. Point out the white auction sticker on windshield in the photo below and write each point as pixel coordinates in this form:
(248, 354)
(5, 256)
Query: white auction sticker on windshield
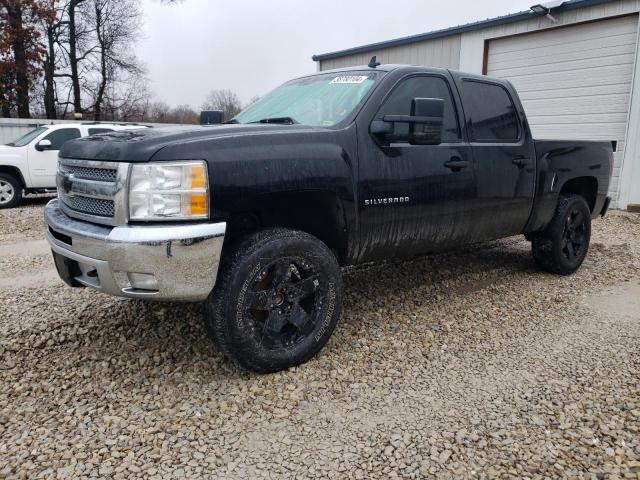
(350, 79)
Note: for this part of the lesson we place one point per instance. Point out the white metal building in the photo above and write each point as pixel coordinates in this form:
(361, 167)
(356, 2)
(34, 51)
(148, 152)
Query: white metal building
(575, 66)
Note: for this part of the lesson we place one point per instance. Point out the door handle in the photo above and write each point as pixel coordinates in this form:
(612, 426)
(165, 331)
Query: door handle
(520, 162)
(456, 164)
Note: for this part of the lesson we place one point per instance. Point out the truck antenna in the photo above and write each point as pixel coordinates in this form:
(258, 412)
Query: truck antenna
(373, 63)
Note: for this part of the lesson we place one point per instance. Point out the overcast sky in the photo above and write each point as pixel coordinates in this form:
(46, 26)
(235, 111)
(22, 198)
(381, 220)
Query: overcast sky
(251, 46)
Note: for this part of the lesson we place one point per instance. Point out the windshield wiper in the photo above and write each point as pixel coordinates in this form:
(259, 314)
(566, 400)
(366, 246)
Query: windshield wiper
(282, 120)
(233, 120)
(11, 144)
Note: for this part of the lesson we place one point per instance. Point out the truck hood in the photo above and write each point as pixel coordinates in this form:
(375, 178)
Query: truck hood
(11, 152)
(142, 145)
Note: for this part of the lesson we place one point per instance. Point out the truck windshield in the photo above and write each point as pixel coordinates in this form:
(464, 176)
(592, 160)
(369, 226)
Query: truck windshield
(27, 137)
(320, 100)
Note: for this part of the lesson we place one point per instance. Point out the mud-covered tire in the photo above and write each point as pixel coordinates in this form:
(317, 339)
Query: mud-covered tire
(277, 300)
(563, 245)
(10, 191)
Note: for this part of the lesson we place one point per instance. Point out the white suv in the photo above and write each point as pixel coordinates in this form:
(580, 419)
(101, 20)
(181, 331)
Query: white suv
(29, 163)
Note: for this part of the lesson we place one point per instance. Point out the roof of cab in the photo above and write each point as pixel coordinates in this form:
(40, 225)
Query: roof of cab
(409, 68)
(380, 68)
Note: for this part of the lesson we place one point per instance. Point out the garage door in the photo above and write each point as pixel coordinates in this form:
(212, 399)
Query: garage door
(575, 82)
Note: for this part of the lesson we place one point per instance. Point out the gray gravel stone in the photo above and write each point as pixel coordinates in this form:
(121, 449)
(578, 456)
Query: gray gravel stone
(471, 364)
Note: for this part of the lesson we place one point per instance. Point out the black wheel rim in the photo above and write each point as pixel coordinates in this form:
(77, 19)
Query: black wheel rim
(284, 303)
(574, 237)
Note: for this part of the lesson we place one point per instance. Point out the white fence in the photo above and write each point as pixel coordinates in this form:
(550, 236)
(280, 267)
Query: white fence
(13, 128)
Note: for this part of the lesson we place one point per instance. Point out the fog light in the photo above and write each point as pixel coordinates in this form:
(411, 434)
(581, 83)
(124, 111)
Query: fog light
(142, 281)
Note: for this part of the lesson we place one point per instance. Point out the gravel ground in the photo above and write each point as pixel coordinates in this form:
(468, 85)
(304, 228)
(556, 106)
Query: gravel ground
(466, 365)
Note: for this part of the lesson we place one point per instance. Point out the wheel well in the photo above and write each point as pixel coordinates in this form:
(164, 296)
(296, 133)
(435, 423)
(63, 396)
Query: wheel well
(586, 187)
(14, 172)
(320, 214)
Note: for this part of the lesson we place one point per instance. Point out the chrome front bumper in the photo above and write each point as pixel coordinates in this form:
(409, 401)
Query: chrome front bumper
(176, 262)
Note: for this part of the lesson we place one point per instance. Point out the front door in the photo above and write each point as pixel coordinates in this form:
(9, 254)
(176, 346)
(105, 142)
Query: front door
(414, 198)
(44, 163)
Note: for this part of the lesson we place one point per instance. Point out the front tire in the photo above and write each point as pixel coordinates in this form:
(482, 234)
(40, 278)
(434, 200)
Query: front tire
(10, 191)
(563, 245)
(277, 300)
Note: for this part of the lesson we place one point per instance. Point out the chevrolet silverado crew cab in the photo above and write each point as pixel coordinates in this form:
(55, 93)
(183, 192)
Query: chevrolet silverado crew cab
(255, 217)
(29, 163)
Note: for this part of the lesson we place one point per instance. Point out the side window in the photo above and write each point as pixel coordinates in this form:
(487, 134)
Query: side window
(399, 103)
(58, 137)
(490, 112)
(93, 131)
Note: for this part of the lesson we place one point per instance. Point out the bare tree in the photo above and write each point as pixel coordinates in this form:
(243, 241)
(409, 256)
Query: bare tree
(252, 100)
(116, 24)
(73, 55)
(127, 99)
(224, 100)
(89, 52)
(20, 51)
(52, 27)
(72, 47)
(184, 114)
(159, 112)
(82, 52)
(49, 68)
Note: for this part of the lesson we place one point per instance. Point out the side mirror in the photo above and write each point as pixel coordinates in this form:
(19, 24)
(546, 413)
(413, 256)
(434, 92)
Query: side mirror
(425, 123)
(427, 129)
(381, 127)
(43, 145)
(211, 117)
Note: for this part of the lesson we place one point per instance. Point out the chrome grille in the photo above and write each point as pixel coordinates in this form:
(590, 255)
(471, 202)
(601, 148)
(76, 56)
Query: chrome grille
(90, 206)
(88, 173)
(93, 190)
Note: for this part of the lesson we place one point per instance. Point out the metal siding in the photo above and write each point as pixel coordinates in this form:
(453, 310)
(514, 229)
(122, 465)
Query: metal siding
(598, 8)
(575, 81)
(629, 189)
(10, 132)
(440, 52)
(472, 43)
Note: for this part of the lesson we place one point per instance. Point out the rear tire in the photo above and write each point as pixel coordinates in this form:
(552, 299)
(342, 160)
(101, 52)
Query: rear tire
(563, 245)
(277, 300)
(10, 191)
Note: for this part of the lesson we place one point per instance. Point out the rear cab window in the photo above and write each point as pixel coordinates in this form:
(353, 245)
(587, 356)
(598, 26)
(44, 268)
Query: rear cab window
(94, 131)
(490, 111)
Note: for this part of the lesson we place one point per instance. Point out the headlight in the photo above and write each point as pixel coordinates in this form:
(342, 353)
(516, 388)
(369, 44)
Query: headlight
(169, 191)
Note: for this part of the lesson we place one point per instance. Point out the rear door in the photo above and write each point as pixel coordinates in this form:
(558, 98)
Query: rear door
(503, 154)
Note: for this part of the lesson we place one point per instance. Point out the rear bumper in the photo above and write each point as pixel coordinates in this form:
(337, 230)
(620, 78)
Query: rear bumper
(177, 262)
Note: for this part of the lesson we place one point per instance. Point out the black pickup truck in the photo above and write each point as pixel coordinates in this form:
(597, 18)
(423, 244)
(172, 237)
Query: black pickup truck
(256, 216)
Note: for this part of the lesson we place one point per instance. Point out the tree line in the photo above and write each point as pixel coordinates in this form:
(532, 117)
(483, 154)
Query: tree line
(75, 59)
